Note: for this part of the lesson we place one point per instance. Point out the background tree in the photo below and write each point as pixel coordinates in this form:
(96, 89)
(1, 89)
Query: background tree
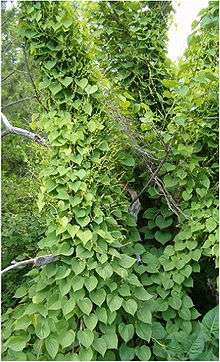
(22, 225)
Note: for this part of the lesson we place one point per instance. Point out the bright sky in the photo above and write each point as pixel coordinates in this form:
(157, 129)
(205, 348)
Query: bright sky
(186, 12)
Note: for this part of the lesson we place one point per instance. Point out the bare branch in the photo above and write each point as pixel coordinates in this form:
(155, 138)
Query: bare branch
(18, 101)
(133, 137)
(32, 80)
(153, 175)
(38, 261)
(135, 206)
(20, 131)
(148, 158)
(7, 76)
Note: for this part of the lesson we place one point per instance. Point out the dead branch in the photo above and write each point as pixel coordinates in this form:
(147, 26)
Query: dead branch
(32, 80)
(135, 206)
(9, 129)
(38, 261)
(133, 137)
(18, 101)
(7, 76)
(147, 157)
(153, 175)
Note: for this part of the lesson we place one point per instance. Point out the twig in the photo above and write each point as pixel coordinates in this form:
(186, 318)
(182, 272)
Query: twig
(7, 76)
(150, 179)
(148, 159)
(38, 261)
(32, 80)
(20, 131)
(123, 121)
(18, 101)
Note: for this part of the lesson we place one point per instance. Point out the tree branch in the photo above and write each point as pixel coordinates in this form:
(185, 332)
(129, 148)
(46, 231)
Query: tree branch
(7, 76)
(20, 131)
(38, 261)
(32, 80)
(18, 101)
(148, 158)
(153, 175)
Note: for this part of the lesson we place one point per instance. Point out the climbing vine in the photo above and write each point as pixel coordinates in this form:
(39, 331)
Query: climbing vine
(121, 288)
(84, 304)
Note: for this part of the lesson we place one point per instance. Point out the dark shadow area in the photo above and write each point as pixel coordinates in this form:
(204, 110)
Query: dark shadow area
(204, 292)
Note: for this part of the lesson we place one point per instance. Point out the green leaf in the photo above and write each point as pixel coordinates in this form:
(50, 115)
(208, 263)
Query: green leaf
(67, 21)
(84, 236)
(184, 234)
(87, 108)
(52, 346)
(142, 294)
(85, 337)
(150, 213)
(91, 283)
(130, 306)
(170, 181)
(126, 331)
(196, 347)
(81, 174)
(65, 249)
(17, 343)
(90, 89)
(55, 88)
(163, 236)
(68, 306)
(124, 290)
(85, 354)
(126, 353)
(144, 314)
(77, 282)
(85, 305)
(98, 296)
(175, 302)
(101, 315)
(105, 271)
(143, 353)
(128, 160)
(114, 302)
(65, 286)
(158, 331)
(144, 331)
(82, 83)
(50, 64)
(211, 224)
(66, 338)
(66, 81)
(126, 261)
(100, 346)
(21, 292)
(111, 340)
(91, 321)
(185, 313)
(22, 323)
(210, 321)
(186, 271)
(78, 266)
(163, 223)
(186, 195)
(42, 328)
(178, 278)
(133, 280)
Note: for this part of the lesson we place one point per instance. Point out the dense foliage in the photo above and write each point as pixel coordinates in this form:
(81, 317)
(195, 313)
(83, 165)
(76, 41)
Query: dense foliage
(123, 288)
